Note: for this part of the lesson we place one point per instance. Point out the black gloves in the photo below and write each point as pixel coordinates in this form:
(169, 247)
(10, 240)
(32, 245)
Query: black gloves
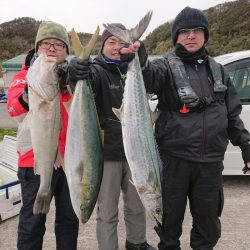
(78, 70)
(62, 71)
(29, 58)
(126, 57)
(130, 56)
(143, 56)
(25, 96)
(246, 157)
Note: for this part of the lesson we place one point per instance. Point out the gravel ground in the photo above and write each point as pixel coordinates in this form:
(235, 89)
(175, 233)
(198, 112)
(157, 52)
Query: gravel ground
(235, 218)
(235, 223)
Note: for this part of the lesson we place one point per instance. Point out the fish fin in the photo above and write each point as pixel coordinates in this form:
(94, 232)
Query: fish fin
(117, 112)
(42, 203)
(59, 162)
(91, 44)
(79, 50)
(76, 43)
(131, 35)
(67, 105)
(154, 116)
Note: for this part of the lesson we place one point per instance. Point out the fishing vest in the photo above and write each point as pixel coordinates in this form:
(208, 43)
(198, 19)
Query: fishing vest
(186, 94)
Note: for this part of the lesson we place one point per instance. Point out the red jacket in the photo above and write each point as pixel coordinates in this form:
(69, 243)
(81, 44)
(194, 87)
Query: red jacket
(18, 111)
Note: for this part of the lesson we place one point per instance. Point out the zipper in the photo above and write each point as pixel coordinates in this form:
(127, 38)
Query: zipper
(203, 139)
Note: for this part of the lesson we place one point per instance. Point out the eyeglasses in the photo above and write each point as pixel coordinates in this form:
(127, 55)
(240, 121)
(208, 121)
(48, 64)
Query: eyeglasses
(187, 32)
(56, 46)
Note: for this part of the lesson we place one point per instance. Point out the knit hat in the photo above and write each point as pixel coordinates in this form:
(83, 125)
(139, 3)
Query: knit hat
(48, 29)
(189, 18)
(106, 34)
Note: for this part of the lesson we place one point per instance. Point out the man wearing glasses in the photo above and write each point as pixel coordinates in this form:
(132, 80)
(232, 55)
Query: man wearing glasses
(52, 39)
(199, 113)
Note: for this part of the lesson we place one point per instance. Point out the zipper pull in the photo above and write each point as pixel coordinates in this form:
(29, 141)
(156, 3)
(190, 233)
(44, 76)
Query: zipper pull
(196, 67)
(184, 110)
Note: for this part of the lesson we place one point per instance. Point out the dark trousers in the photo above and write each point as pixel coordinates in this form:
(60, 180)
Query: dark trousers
(31, 228)
(201, 183)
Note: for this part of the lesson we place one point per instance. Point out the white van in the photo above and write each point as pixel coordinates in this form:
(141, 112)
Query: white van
(238, 66)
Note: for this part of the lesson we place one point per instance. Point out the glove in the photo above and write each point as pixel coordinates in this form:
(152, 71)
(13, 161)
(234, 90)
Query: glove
(62, 71)
(78, 70)
(130, 56)
(25, 91)
(126, 57)
(24, 98)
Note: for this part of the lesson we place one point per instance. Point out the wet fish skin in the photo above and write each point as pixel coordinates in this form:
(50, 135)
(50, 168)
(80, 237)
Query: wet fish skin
(45, 124)
(138, 137)
(84, 143)
(84, 152)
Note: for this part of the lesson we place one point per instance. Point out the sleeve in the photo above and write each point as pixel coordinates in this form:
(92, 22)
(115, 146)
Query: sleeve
(155, 75)
(95, 78)
(238, 134)
(16, 105)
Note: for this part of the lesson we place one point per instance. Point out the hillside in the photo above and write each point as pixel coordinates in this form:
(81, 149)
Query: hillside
(229, 26)
(229, 30)
(18, 36)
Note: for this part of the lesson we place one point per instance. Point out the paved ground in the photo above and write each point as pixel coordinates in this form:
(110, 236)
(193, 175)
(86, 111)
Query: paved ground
(235, 218)
(235, 224)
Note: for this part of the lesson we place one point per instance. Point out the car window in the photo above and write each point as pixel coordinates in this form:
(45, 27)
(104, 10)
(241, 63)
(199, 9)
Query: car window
(239, 72)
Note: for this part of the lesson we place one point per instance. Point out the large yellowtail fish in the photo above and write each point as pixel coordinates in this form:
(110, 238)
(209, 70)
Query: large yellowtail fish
(84, 147)
(45, 123)
(137, 129)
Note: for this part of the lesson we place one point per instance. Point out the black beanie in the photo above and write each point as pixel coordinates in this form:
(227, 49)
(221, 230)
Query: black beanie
(189, 18)
(106, 34)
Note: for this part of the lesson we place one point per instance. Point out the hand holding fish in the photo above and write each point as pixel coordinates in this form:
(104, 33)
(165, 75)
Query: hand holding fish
(137, 46)
(78, 70)
(132, 48)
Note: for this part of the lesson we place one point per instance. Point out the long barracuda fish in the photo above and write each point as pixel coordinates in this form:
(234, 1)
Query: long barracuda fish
(45, 124)
(138, 138)
(84, 147)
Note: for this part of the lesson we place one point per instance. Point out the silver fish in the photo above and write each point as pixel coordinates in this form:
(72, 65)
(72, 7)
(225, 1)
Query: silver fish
(45, 123)
(84, 147)
(137, 129)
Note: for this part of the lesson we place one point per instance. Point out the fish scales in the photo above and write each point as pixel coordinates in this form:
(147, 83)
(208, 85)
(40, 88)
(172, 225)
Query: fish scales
(137, 128)
(45, 124)
(84, 147)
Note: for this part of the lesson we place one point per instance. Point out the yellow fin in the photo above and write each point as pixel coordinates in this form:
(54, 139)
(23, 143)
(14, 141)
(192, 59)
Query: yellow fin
(154, 116)
(79, 50)
(67, 104)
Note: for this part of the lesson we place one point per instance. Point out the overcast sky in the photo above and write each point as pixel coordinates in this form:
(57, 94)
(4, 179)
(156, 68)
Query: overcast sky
(85, 15)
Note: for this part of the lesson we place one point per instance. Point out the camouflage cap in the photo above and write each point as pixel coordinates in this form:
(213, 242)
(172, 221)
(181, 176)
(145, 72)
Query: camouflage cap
(49, 29)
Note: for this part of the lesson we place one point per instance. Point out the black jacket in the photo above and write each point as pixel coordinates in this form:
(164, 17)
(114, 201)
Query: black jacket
(199, 137)
(108, 87)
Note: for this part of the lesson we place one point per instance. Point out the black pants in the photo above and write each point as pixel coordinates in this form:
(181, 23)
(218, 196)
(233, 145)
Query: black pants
(31, 228)
(201, 183)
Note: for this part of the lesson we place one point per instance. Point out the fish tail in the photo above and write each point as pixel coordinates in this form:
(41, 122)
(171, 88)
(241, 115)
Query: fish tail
(79, 50)
(42, 203)
(133, 34)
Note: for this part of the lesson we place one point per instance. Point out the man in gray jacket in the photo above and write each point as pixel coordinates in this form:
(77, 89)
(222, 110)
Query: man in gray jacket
(107, 74)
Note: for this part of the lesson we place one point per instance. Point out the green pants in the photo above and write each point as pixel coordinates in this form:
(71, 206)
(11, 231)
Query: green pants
(117, 177)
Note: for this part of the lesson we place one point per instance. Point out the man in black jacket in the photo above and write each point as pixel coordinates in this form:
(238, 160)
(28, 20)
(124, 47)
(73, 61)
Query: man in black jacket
(107, 74)
(200, 111)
